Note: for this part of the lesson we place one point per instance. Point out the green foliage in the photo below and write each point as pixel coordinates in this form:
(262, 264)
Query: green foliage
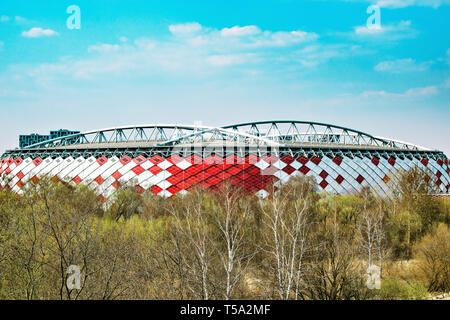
(141, 246)
(398, 289)
(404, 229)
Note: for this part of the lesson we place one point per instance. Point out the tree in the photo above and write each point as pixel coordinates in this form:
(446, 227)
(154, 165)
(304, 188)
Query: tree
(433, 255)
(231, 218)
(287, 220)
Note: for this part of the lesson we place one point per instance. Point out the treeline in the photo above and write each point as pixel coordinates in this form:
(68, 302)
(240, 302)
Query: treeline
(295, 244)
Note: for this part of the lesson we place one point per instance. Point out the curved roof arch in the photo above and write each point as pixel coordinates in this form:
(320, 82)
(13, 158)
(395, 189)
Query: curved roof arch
(275, 133)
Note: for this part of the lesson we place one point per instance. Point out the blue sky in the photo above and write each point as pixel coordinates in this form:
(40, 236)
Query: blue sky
(222, 62)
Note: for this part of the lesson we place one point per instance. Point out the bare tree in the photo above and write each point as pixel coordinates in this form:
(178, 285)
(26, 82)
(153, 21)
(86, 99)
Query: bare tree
(191, 225)
(231, 219)
(286, 216)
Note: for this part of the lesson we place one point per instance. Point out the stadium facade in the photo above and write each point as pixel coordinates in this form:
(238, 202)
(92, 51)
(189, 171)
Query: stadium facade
(171, 159)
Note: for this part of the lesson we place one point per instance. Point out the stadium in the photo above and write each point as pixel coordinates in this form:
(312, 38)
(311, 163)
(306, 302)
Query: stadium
(171, 159)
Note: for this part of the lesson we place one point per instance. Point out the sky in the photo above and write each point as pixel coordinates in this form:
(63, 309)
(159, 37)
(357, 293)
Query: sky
(224, 62)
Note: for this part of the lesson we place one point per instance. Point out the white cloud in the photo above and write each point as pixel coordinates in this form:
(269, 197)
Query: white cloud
(237, 31)
(393, 31)
(4, 18)
(447, 84)
(407, 3)
(225, 60)
(194, 52)
(316, 54)
(413, 92)
(39, 32)
(402, 66)
(20, 19)
(104, 47)
(185, 28)
(396, 4)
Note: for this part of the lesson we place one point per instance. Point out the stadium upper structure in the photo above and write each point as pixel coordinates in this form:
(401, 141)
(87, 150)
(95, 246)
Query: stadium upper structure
(171, 159)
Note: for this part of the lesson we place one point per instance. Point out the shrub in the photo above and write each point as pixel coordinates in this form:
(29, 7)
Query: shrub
(397, 289)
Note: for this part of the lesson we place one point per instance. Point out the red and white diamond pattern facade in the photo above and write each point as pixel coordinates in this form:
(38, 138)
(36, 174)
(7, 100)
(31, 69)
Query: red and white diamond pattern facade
(167, 176)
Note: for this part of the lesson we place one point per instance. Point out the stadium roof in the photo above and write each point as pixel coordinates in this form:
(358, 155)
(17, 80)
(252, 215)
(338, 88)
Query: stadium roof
(283, 133)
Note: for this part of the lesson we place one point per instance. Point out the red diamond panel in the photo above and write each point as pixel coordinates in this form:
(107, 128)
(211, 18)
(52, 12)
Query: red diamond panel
(138, 170)
(18, 161)
(8, 170)
(337, 160)
(139, 189)
(183, 185)
(269, 171)
(214, 180)
(116, 175)
(316, 160)
(224, 175)
(20, 184)
(77, 179)
(175, 178)
(339, 179)
(125, 160)
(438, 174)
(424, 162)
(234, 169)
(304, 169)
(99, 180)
(20, 175)
(243, 175)
(173, 189)
(288, 169)
(155, 169)
(174, 159)
(323, 184)
(192, 170)
(139, 160)
(391, 161)
(438, 182)
(116, 185)
(213, 160)
(360, 179)
(323, 174)
(192, 180)
(101, 161)
(253, 170)
(252, 159)
(375, 161)
(156, 159)
(270, 159)
(194, 159)
(214, 170)
(233, 159)
(302, 160)
(173, 169)
(287, 159)
(37, 161)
